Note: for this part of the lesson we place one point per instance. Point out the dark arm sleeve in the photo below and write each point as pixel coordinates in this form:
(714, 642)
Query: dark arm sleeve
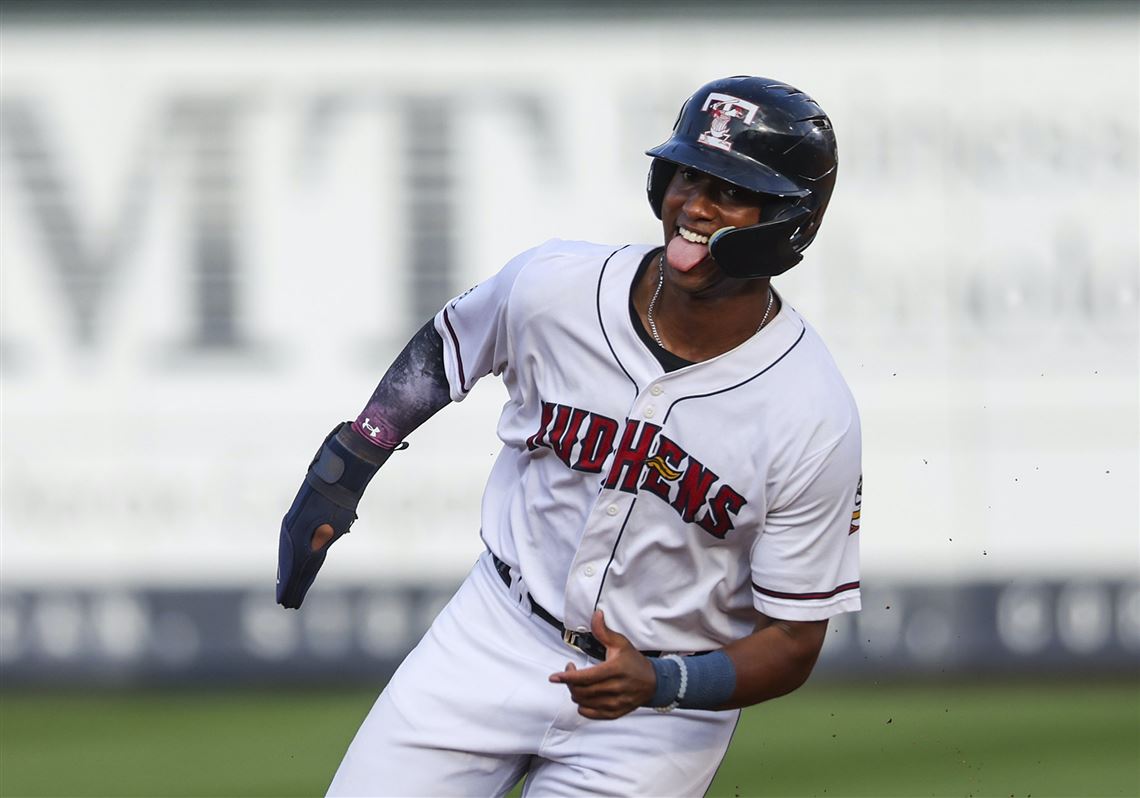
(412, 390)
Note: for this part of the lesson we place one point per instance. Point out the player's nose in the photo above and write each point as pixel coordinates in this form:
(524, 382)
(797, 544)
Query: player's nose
(699, 202)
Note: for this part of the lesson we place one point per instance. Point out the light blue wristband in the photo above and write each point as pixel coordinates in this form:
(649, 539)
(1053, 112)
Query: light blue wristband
(705, 681)
(712, 681)
(668, 670)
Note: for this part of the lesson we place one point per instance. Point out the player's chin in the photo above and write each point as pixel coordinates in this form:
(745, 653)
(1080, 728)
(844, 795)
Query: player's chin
(702, 277)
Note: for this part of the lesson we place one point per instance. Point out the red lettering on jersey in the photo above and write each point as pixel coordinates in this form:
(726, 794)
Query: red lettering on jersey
(597, 445)
(630, 456)
(539, 438)
(565, 442)
(693, 490)
(561, 416)
(717, 521)
(663, 468)
(561, 427)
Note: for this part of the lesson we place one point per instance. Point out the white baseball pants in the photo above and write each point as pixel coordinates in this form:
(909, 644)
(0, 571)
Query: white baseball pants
(470, 711)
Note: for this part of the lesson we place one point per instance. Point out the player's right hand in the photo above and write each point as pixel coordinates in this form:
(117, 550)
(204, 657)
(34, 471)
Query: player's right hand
(622, 683)
(312, 524)
(323, 509)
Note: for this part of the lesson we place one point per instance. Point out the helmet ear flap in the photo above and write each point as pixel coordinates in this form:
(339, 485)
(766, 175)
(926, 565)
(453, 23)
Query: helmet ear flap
(660, 173)
(761, 250)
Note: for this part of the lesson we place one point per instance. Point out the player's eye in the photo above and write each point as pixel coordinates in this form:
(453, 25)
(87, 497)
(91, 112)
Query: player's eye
(690, 175)
(740, 195)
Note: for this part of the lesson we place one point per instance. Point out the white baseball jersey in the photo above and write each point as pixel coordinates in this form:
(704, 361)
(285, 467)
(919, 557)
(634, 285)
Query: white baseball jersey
(678, 502)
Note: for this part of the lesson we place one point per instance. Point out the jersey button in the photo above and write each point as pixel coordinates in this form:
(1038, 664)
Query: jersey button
(612, 510)
(657, 390)
(649, 412)
(588, 570)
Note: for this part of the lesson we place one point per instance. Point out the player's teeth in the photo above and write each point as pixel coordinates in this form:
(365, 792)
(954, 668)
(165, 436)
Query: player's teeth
(696, 238)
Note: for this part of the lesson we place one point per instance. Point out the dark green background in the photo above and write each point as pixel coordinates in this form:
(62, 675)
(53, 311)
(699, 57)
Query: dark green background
(1053, 739)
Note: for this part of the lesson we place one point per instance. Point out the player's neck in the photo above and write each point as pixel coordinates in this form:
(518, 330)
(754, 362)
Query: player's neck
(700, 328)
(700, 325)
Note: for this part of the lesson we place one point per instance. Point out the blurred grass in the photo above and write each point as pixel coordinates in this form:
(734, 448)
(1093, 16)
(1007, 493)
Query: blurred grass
(1055, 739)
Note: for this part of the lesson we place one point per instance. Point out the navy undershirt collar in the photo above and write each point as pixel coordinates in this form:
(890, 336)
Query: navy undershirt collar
(667, 359)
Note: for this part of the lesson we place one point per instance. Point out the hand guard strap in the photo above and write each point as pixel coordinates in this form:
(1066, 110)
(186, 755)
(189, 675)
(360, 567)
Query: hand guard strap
(334, 483)
(343, 467)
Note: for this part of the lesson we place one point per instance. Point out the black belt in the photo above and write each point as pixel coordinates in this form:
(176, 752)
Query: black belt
(583, 641)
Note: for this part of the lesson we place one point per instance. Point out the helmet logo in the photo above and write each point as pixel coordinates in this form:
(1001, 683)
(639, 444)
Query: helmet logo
(724, 108)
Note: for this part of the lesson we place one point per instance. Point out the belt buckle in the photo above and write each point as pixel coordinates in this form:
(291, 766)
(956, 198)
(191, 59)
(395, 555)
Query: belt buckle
(571, 638)
(584, 642)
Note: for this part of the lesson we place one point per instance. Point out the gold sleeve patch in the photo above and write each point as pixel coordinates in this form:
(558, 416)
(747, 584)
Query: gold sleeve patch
(856, 514)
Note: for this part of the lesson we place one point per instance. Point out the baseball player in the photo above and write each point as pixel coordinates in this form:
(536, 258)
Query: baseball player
(672, 518)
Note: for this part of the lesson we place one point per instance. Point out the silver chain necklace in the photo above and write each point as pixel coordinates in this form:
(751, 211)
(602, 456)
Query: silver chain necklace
(657, 293)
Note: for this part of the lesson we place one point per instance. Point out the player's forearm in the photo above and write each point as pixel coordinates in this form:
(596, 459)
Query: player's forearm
(771, 662)
(774, 660)
(412, 390)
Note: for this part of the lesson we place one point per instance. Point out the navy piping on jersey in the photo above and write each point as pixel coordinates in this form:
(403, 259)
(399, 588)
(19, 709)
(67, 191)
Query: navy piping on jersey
(805, 596)
(613, 552)
(601, 324)
(735, 727)
(637, 389)
(458, 354)
(668, 360)
(795, 343)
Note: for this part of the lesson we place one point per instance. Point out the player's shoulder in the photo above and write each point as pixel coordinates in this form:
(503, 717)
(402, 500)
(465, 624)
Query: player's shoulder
(564, 279)
(814, 381)
(563, 252)
(559, 264)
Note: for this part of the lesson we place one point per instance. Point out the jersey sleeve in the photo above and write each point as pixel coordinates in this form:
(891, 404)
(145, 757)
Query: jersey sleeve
(805, 563)
(473, 327)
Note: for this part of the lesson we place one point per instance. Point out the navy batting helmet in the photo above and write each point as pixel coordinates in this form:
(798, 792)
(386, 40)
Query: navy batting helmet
(769, 138)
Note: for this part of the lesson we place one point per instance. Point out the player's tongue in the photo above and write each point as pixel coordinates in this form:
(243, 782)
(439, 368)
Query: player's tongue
(684, 255)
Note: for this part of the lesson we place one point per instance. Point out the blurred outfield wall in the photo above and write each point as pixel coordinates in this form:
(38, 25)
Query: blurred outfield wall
(216, 232)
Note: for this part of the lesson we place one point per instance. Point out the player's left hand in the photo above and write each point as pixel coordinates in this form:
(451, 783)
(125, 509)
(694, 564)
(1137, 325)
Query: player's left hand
(616, 687)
